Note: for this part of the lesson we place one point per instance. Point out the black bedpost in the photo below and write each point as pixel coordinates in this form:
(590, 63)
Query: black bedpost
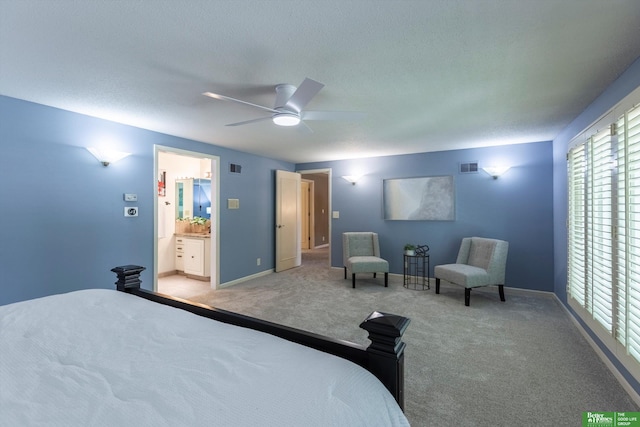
(386, 352)
(128, 276)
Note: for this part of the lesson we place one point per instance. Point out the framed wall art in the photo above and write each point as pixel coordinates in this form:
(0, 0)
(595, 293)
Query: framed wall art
(162, 183)
(419, 199)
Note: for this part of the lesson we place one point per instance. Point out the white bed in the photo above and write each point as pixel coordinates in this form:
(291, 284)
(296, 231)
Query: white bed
(108, 358)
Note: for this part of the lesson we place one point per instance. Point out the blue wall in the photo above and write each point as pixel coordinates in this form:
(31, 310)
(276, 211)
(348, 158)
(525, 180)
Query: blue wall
(62, 226)
(623, 86)
(516, 207)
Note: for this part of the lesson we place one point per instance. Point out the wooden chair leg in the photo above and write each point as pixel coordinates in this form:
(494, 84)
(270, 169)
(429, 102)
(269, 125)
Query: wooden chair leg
(501, 290)
(345, 272)
(353, 280)
(386, 280)
(467, 296)
(437, 285)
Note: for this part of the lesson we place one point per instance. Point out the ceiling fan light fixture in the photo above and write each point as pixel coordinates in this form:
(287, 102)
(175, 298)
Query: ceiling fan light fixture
(286, 119)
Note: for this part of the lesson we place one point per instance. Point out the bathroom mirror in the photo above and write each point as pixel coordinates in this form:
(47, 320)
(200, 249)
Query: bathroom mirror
(193, 198)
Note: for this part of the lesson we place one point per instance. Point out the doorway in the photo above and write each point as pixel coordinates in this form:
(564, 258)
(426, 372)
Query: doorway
(319, 208)
(187, 187)
(307, 191)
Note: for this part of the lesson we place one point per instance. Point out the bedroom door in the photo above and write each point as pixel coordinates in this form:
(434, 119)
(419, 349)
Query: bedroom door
(288, 220)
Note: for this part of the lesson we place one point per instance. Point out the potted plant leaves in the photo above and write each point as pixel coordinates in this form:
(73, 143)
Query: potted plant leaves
(409, 249)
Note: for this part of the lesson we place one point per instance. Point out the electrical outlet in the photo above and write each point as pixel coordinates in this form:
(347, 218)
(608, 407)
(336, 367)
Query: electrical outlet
(130, 211)
(128, 197)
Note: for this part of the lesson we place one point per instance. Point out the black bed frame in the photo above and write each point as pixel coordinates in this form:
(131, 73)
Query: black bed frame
(384, 357)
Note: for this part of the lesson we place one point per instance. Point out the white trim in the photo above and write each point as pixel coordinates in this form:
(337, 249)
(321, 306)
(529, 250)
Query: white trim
(245, 278)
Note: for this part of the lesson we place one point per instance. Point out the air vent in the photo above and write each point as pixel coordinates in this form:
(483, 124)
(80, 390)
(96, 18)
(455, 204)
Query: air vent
(233, 168)
(469, 167)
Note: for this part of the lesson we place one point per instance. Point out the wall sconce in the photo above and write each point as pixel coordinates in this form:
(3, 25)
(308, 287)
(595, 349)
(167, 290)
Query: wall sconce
(496, 171)
(352, 178)
(105, 156)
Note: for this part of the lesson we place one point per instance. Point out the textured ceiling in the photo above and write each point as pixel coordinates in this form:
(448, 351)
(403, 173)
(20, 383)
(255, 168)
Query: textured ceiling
(431, 74)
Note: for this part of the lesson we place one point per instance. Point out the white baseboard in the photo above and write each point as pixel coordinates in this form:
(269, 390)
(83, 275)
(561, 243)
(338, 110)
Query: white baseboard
(244, 279)
(616, 373)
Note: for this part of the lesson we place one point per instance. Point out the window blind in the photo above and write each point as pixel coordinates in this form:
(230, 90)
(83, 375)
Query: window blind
(604, 230)
(627, 330)
(599, 229)
(577, 225)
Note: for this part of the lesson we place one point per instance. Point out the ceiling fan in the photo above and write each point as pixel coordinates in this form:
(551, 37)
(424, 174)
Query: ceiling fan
(289, 106)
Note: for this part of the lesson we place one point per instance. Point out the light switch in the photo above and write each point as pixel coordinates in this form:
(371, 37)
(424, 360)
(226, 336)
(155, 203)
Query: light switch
(233, 203)
(336, 214)
(128, 197)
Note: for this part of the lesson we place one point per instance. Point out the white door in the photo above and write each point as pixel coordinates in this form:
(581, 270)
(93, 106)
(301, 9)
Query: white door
(288, 220)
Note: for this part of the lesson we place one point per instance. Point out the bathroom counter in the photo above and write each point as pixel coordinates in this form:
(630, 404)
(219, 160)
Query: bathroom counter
(205, 236)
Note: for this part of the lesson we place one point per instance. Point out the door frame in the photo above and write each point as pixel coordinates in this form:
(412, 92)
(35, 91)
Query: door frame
(329, 173)
(215, 209)
(307, 209)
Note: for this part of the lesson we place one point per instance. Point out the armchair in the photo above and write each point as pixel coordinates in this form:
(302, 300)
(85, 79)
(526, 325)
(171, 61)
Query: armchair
(480, 262)
(361, 254)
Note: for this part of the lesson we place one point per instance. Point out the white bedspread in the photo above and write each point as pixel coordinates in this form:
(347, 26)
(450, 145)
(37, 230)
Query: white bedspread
(105, 358)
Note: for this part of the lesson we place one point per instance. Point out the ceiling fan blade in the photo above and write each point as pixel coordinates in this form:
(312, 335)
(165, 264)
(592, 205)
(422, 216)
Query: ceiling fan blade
(227, 98)
(304, 128)
(249, 121)
(333, 115)
(301, 97)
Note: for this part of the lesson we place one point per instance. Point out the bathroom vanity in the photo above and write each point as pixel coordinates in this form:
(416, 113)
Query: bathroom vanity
(193, 255)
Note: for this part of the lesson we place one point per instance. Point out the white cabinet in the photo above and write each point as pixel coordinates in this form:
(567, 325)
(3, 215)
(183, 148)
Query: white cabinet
(193, 256)
(180, 253)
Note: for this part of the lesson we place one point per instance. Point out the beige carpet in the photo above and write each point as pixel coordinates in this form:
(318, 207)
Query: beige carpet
(521, 362)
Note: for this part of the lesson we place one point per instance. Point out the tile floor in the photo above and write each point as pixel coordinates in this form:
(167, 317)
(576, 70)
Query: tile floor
(181, 286)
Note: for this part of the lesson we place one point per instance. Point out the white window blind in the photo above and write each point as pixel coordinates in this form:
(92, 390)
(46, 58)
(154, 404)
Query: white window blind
(577, 217)
(628, 224)
(599, 229)
(604, 231)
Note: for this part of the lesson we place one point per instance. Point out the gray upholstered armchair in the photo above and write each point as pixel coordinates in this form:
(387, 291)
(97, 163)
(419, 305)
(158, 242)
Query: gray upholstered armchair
(361, 254)
(481, 262)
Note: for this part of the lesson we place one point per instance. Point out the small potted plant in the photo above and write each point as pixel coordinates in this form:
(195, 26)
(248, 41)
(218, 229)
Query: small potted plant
(199, 224)
(409, 249)
(183, 225)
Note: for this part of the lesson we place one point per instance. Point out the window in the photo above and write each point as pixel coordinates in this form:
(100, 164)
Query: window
(603, 283)
(627, 300)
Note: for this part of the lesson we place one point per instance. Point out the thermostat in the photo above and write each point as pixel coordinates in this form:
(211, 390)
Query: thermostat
(130, 211)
